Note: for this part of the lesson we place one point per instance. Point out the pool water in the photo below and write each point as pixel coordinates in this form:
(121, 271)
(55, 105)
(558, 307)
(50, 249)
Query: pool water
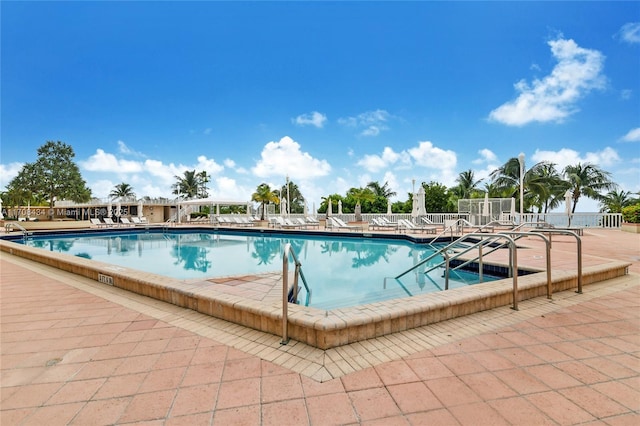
(341, 271)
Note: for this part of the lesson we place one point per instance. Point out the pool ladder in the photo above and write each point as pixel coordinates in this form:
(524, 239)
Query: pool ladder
(489, 243)
(289, 252)
(25, 234)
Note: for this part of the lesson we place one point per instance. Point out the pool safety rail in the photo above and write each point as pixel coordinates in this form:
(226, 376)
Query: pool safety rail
(289, 252)
(487, 243)
(8, 227)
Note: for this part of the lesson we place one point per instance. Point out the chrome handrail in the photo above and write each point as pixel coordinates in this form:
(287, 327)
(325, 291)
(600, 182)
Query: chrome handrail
(288, 251)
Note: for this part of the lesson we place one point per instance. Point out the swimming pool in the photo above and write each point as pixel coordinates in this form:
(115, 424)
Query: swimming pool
(341, 271)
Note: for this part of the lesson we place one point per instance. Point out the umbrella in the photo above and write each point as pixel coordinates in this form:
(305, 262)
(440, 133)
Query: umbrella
(512, 210)
(283, 207)
(485, 205)
(314, 209)
(305, 210)
(421, 208)
(339, 206)
(1, 215)
(329, 207)
(248, 209)
(140, 207)
(414, 208)
(118, 209)
(109, 207)
(388, 207)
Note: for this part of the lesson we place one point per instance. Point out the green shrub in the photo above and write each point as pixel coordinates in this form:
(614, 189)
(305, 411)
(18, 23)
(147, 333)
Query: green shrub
(631, 214)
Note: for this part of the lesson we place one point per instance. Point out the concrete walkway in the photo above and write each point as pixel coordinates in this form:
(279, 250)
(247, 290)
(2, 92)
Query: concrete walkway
(75, 352)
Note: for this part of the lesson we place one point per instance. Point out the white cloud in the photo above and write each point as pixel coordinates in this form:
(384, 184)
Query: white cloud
(312, 119)
(427, 155)
(630, 32)
(209, 165)
(229, 163)
(372, 122)
(105, 162)
(626, 94)
(124, 149)
(374, 163)
(285, 158)
(632, 136)
(554, 97)
(486, 156)
(565, 157)
(8, 172)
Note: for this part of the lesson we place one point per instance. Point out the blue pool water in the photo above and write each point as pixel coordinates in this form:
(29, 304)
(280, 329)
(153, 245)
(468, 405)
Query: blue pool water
(341, 271)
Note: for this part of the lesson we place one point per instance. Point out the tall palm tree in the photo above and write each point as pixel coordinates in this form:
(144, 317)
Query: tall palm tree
(122, 190)
(263, 195)
(381, 191)
(506, 180)
(189, 185)
(296, 199)
(588, 180)
(545, 186)
(467, 184)
(615, 201)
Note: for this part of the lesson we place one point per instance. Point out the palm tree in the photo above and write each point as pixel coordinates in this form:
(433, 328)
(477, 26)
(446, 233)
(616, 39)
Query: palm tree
(190, 185)
(545, 186)
(381, 191)
(122, 190)
(360, 195)
(615, 201)
(295, 198)
(588, 180)
(263, 195)
(467, 184)
(506, 180)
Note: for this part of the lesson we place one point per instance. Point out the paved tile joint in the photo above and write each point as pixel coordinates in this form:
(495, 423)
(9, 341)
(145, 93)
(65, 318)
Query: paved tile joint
(77, 352)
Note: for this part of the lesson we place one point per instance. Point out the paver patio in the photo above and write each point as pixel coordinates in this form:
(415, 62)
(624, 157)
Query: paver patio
(75, 352)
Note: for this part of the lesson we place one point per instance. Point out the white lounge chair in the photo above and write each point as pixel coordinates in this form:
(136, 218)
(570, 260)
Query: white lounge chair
(339, 224)
(109, 222)
(377, 223)
(410, 226)
(125, 221)
(97, 222)
(307, 224)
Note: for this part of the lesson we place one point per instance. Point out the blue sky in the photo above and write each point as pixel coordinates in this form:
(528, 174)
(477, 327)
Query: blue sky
(333, 95)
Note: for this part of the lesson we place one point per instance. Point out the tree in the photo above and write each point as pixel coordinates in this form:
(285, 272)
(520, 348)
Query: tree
(588, 180)
(191, 184)
(545, 187)
(295, 198)
(436, 197)
(53, 176)
(467, 184)
(263, 195)
(360, 195)
(614, 201)
(381, 191)
(506, 180)
(122, 190)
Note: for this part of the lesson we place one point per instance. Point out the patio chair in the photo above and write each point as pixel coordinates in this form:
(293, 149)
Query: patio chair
(126, 221)
(376, 223)
(410, 226)
(97, 222)
(339, 224)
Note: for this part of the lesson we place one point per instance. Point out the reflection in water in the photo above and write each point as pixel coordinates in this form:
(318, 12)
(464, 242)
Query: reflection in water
(265, 250)
(367, 254)
(193, 257)
(85, 255)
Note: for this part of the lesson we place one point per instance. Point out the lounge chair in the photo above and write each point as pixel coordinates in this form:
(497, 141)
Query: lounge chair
(307, 224)
(242, 221)
(125, 221)
(97, 222)
(108, 222)
(339, 224)
(377, 223)
(409, 226)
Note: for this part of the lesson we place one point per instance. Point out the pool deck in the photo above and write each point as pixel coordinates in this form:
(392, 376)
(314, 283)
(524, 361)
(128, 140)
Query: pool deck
(74, 351)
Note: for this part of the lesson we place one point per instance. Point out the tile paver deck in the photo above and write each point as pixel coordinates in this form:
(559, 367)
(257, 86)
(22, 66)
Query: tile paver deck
(75, 352)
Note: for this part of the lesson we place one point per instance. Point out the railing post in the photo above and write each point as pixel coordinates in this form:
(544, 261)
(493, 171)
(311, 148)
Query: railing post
(285, 294)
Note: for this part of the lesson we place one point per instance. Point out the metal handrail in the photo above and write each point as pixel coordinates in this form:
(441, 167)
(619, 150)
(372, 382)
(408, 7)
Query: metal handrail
(578, 249)
(457, 224)
(10, 225)
(547, 243)
(288, 251)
